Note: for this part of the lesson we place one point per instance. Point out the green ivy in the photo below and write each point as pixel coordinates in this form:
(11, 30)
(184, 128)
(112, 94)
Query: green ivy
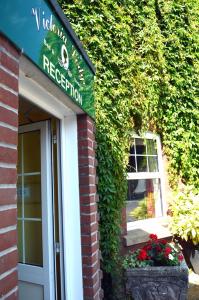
(146, 55)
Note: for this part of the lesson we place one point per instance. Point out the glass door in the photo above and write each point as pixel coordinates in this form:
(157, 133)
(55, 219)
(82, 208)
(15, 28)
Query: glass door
(35, 220)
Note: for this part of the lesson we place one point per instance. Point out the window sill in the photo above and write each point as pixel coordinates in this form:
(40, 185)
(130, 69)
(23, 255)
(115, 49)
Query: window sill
(138, 231)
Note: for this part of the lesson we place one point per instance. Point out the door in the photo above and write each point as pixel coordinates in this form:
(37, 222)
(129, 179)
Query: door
(35, 213)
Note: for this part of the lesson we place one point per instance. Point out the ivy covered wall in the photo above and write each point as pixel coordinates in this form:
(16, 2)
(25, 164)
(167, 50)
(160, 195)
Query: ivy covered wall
(147, 57)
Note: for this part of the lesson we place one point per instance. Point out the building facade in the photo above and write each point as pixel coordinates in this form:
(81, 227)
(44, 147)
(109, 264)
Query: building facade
(49, 241)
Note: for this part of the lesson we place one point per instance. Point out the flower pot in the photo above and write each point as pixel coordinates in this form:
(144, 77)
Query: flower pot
(194, 259)
(158, 283)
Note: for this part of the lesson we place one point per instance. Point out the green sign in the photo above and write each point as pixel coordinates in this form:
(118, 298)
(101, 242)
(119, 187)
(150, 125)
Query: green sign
(37, 30)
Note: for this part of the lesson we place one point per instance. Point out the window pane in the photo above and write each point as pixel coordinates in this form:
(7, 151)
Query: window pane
(19, 196)
(131, 166)
(153, 164)
(32, 196)
(140, 146)
(144, 199)
(151, 147)
(141, 163)
(132, 149)
(20, 243)
(31, 151)
(33, 243)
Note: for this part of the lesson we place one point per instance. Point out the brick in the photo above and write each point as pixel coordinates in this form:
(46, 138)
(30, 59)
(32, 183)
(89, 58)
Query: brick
(8, 80)
(87, 180)
(88, 208)
(8, 98)
(90, 189)
(8, 176)
(85, 144)
(91, 259)
(8, 136)
(90, 249)
(89, 239)
(9, 63)
(91, 281)
(5, 43)
(89, 228)
(86, 152)
(85, 170)
(87, 161)
(8, 283)
(8, 218)
(8, 196)
(87, 199)
(8, 155)
(13, 296)
(91, 218)
(8, 239)
(8, 117)
(8, 261)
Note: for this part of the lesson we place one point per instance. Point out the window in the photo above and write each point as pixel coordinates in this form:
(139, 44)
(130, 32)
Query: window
(144, 199)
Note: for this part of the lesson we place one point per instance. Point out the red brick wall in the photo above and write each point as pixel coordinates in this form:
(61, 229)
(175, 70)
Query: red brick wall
(9, 72)
(88, 206)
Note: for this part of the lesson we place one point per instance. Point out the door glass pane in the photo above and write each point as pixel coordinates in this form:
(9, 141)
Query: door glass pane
(33, 243)
(31, 151)
(20, 244)
(143, 199)
(19, 196)
(32, 196)
(30, 291)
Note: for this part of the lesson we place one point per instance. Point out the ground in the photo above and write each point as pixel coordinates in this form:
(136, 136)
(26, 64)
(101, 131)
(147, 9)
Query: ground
(193, 293)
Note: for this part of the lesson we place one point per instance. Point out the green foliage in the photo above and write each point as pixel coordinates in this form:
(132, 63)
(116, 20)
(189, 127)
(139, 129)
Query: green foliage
(146, 55)
(185, 218)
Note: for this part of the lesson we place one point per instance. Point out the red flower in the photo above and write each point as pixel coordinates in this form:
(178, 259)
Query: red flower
(153, 237)
(158, 248)
(142, 255)
(180, 257)
(167, 251)
(163, 242)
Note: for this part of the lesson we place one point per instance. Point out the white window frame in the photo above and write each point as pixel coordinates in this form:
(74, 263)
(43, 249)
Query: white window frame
(150, 175)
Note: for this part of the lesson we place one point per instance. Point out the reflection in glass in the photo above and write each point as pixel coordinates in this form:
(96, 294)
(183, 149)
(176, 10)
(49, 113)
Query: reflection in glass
(141, 163)
(140, 146)
(32, 196)
(143, 196)
(19, 196)
(132, 149)
(33, 243)
(151, 147)
(153, 164)
(31, 151)
(131, 166)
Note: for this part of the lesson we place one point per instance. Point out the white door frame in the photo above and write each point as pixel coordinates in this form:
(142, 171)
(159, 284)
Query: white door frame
(33, 91)
(43, 275)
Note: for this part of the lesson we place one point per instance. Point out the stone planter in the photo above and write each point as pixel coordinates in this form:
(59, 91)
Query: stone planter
(194, 258)
(158, 283)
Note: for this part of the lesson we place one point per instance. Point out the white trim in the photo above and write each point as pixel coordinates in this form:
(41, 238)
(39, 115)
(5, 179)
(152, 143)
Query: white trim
(143, 175)
(53, 100)
(71, 209)
(161, 206)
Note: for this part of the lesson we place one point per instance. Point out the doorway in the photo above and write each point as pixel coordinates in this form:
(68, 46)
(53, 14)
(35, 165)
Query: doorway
(41, 274)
